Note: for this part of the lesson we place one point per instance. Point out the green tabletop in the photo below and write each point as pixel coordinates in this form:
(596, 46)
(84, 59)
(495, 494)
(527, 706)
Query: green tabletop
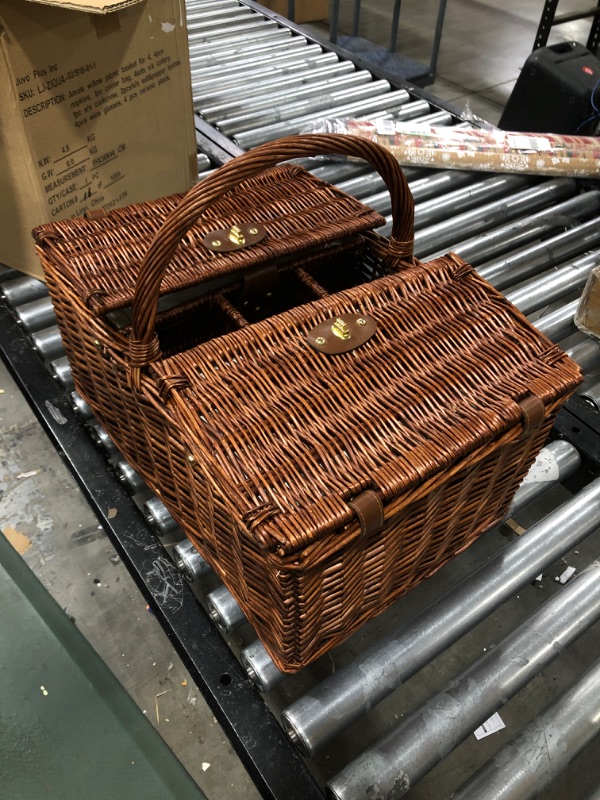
(68, 729)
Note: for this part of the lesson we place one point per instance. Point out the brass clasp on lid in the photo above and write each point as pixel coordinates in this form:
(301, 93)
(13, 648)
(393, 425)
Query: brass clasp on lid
(343, 333)
(236, 236)
(227, 239)
(340, 329)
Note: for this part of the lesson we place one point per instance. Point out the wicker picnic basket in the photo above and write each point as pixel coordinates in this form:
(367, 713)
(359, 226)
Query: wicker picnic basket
(329, 420)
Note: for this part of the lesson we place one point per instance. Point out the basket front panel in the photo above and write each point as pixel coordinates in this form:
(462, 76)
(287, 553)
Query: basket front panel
(301, 608)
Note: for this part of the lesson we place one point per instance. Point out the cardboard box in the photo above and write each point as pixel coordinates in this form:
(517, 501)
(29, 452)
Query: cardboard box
(305, 10)
(96, 111)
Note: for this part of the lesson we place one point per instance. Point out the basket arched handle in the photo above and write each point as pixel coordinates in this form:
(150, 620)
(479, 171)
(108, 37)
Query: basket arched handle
(144, 346)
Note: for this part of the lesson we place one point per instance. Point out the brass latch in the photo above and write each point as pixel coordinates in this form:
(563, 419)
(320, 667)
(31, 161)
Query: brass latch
(227, 239)
(344, 333)
(340, 329)
(237, 237)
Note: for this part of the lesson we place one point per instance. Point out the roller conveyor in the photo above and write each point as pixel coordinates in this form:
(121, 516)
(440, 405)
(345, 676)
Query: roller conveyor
(538, 243)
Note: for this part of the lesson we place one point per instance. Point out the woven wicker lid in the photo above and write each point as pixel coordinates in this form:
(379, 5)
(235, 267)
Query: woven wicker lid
(101, 256)
(294, 435)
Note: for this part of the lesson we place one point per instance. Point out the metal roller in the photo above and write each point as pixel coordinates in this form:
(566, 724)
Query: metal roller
(379, 202)
(48, 342)
(363, 185)
(224, 610)
(531, 762)
(189, 561)
(309, 57)
(551, 251)
(80, 406)
(517, 234)
(199, 6)
(387, 101)
(8, 273)
(295, 67)
(553, 284)
(442, 206)
(218, 11)
(335, 172)
(203, 162)
(438, 183)
(203, 47)
(60, 369)
(194, 7)
(560, 323)
(213, 32)
(220, 18)
(288, 110)
(586, 353)
(393, 766)
(272, 93)
(488, 216)
(221, 25)
(416, 110)
(462, 199)
(36, 315)
(436, 118)
(243, 89)
(555, 463)
(259, 667)
(102, 440)
(331, 706)
(131, 479)
(592, 395)
(158, 517)
(17, 291)
(369, 182)
(251, 49)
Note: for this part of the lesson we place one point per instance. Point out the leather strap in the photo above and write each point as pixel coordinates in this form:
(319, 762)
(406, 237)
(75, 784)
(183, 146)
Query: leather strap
(369, 510)
(534, 413)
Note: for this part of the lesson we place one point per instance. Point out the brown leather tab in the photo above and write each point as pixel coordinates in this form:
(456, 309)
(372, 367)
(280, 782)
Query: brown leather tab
(534, 413)
(341, 334)
(225, 240)
(369, 510)
(94, 213)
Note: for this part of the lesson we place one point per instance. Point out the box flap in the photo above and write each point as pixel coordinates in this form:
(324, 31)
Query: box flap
(92, 6)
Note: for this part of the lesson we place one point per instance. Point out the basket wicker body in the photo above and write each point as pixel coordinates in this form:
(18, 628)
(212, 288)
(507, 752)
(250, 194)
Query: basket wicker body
(319, 487)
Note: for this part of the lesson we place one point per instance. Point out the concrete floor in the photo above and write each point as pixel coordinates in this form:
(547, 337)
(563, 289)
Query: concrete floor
(484, 43)
(43, 512)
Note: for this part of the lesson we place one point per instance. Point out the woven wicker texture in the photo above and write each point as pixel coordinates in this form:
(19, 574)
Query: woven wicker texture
(276, 458)
(298, 211)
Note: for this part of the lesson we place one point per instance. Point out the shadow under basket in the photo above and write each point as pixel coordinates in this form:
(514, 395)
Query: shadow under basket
(329, 420)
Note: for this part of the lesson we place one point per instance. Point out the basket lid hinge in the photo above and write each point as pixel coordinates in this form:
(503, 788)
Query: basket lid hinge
(369, 509)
